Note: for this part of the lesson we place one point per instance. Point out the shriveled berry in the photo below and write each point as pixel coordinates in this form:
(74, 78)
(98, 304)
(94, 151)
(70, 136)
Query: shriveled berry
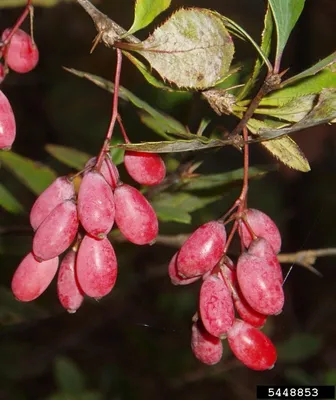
(145, 168)
(207, 348)
(69, 293)
(252, 347)
(32, 277)
(262, 226)
(175, 278)
(7, 123)
(108, 170)
(96, 267)
(21, 53)
(95, 205)
(202, 251)
(57, 231)
(135, 216)
(260, 285)
(216, 306)
(60, 190)
(246, 312)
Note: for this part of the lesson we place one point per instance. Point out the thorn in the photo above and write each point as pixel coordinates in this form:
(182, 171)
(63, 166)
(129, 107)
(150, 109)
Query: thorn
(96, 40)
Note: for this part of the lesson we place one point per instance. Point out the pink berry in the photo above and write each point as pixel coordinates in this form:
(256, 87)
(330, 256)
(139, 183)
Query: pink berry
(207, 348)
(69, 293)
(60, 190)
(57, 231)
(202, 251)
(252, 347)
(260, 285)
(145, 168)
(32, 277)
(247, 313)
(262, 226)
(134, 216)
(175, 278)
(108, 170)
(7, 123)
(21, 53)
(216, 307)
(95, 205)
(96, 267)
(2, 72)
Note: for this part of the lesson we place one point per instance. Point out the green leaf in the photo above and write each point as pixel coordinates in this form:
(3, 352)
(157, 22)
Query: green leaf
(154, 124)
(299, 347)
(68, 377)
(32, 174)
(145, 13)
(9, 202)
(285, 13)
(67, 155)
(192, 49)
(172, 214)
(330, 377)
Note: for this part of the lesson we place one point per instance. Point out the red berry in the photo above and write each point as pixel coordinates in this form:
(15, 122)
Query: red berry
(32, 277)
(57, 231)
(7, 123)
(60, 190)
(206, 348)
(2, 73)
(259, 284)
(252, 347)
(246, 312)
(21, 53)
(216, 307)
(108, 170)
(134, 216)
(145, 168)
(262, 226)
(175, 278)
(69, 293)
(95, 205)
(202, 251)
(96, 267)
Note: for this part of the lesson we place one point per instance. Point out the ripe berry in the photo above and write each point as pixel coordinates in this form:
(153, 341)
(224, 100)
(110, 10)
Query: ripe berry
(60, 190)
(134, 216)
(21, 53)
(32, 277)
(206, 348)
(259, 284)
(145, 168)
(69, 293)
(202, 251)
(57, 231)
(108, 170)
(96, 267)
(2, 72)
(95, 205)
(7, 123)
(175, 278)
(262, 226)
(216, 306)
(252, 347)
(246, 312)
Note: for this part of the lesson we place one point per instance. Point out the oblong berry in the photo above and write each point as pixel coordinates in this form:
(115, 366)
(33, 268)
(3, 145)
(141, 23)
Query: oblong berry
(60, 190)
(202, 251)
(252, 347)
(32, 277)
(174, 277)
(145, 168)
(69, 293)
(7, 123)
(207, 348)
(246, 312)
(57, 231)
(95, 205)
(135, 216)
(21, 53)
(96, 266)
(216, 306)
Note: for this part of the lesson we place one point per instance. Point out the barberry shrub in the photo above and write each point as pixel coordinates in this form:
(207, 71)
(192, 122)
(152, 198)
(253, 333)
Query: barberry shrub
(77, 220)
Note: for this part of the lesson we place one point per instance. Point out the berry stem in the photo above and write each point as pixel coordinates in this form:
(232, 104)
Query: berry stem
(123, 130)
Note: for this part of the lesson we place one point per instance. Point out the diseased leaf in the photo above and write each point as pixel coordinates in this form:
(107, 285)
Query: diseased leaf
(192, 49)
(145, 13)
(67, 155)
(8, 202)
(32, 174)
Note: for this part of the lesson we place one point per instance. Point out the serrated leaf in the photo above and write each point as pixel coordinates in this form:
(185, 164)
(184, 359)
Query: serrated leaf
(145, 13)
(8, 202)
(68, 377)
(32, 174)
(192, 49)
(285, 13)
(69, 156)
(299, 347)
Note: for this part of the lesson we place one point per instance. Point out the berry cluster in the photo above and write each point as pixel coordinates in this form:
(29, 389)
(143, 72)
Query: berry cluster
(252, 289)
(80, 222)
(21, 55)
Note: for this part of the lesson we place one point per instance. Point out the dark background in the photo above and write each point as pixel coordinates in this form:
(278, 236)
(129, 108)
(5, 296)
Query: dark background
(135, 343)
